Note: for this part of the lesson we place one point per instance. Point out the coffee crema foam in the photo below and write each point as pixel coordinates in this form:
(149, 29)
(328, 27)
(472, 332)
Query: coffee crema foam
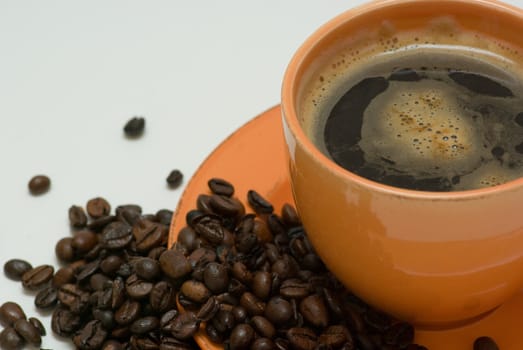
(442, 114)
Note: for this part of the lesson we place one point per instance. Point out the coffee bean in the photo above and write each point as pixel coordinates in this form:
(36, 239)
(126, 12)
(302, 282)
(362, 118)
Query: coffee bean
(162, 297)
(106, 318)
(111, 264)
(15, 268)
(263, 344)
(127, 313)
(184, 326)
(64, 322)
(149, 235)
(116, 235)
(315, 311)
(290, 216)
(144, 325)
(241, 337)
(336, 336)
(252, 304)
(98, 281)
(38, 325)
(263, 326)
(74, 298)
(29, 332)
(485, 343)
(98, 207)
(77, 217)
(99, 224)
(134, 127)
(278, 311)
(87, 270)
(62, 276)
(174, 179)
(262, 284)
(164, 216)
(91, 336)
(84, 241)
(155, 253)
(208, 310)
(10, 339)
(112, 345)
(221, 187)
(137, 288)
(147, 268)
(117, 293)
(169, 343)
(10, 312)
(224, 321)
(210, 228)
(39, 184)
(196, 291)
(295, 289)
(216, 277)
(302, 338)
(226, 206)
(64, 249)
(174, 264)
(46, 298)
(258, 203)
(37, 277)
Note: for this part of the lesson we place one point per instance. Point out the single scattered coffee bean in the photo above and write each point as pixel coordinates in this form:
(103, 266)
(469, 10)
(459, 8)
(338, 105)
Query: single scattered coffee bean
(221, 187)
(175, 178)
(98, 207)
(91, 336)
(77, 217)
(15, 268)
(134, 127)
(485, 343)
(46, 298)
(258, 203)
(30, 333)
(10, 312)
(39, 184)
(10, 339)
(38, 325)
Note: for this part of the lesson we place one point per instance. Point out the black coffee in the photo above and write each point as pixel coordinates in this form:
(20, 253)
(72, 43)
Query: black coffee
(427, 120)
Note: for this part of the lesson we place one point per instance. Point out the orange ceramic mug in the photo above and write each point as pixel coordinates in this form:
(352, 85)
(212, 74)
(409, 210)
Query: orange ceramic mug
(431, 258)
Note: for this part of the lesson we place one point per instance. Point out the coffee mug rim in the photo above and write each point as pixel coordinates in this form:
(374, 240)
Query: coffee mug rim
(289, 113)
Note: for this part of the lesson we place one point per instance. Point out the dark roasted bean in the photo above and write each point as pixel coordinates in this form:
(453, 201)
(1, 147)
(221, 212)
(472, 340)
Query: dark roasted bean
(184, 326)
(144, 325)
(220, 187)
(88, 270)
(127, 313)
(226, 206)
(15, 268)
(485, 343)
(64, 250)
(208, 310)
(174, 179)
(73, 297)
(213, 334)
(98, 224)
(148, 235)
(263, 326)
(111, 264)
(147, 268)
(46, 298)
(169, 343)
(38, 325)
(174, 264)
(252, 304)
(216, 277)
(10, 339)
(10, 312)
(258, 203)
(263, 344)
(224, 321)
(164, 216)
(290, 216)
(335, 336)
(241, 272)
(241, 337)
(84, 241)
(302, 338)
(64, 322)
(77, 217)
(62, 276)
(91, 336)
(278, 311)
(29, 332)
(37, 277)
(98, 281)
(196, 291)
(162, 296)
(134, 127)
(210, 228)
(116, 235)
(155, 253)
(262, 284)
(98, 207)
(137, 288)
(315, 311)
(39, 184)
(106, 318)
(295, 288)
(117, 293)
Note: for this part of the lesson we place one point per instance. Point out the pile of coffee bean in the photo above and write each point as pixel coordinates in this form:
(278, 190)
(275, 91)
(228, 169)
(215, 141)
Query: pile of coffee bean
(18, 330)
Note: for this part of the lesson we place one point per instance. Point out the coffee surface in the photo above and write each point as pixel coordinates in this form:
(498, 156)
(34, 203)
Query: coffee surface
(426, 119)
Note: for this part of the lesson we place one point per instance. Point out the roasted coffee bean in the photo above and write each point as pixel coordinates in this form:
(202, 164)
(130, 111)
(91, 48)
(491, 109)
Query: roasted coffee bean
(98, 207)
(137, 288)
(46, 298)
(148, 235)
(91, 336)
(106, 318)
(485, 343)
(263, 344)
(164, 216)
(37, 277)
(98, 281)
(88, 270)
(196, 291)
(147, 268)
(134, 127)
(125, 270)
(144, 343)
(263, 326)
(127, 313)
(169, 343)
(121, 333)
(203, 204)
(241, 337)
(155, 253)
(84, 241)
(64, 322)
(10, 339)
(145, 325)
(184, 326)
(29, 332)
(315, 311)
(210, 228)
(73, 297)
(226, 206)
(77, 217)
(275, 225)
(213, 334)
(111, 264)
(116, 235)
(187, 238)
(278, 311)
(15, 268)
(252, 304)
(39, 184)
(174, 264)
(62, 276)
(239, 312)
(208, 310)
(175, 178)
(112, 345)
(286, 267)
(64, 250)
(162, 297)
(290, 216)
(262, 284)
(224, 321)
(335, 336)
(258, 203)
(128, 213)
(302, 338)
(241, 272)
(295, 289)
(38, 325)
(221, 187)
(216, 277)
(10, 312)
(98, 224)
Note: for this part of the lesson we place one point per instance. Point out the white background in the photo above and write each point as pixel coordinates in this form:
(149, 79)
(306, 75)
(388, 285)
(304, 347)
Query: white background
(72, 73)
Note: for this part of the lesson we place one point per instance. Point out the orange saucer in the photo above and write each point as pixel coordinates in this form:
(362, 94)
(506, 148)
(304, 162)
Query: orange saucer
(254, 158)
